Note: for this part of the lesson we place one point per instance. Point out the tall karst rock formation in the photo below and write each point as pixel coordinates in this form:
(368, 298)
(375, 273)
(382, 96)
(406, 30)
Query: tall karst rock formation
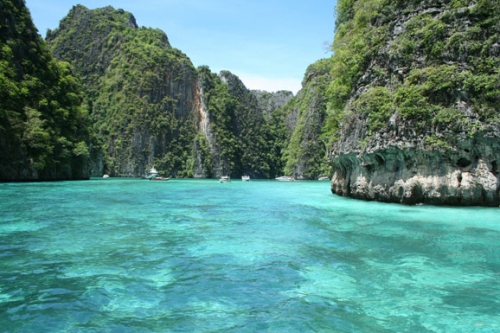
(44, 131)
(150, 106)
(303, 116)
(414, 113)
(140, 90)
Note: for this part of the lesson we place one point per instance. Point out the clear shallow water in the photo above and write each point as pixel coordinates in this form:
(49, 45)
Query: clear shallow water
(122, 255)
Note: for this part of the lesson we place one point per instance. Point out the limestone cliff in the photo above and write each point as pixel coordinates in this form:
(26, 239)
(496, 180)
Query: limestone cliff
(234, 138)
(269, 102)
(304, 116)
(140, 90)
(150, 106)
(415, 102)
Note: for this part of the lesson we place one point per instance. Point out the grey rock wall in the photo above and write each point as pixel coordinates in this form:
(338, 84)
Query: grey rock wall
(398, 163)
(395, 171)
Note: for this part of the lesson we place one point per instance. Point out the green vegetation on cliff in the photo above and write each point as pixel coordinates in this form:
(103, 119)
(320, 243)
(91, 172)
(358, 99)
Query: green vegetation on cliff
(245, 141)
(43, 127)
(414, 102)
(138, 90)
(433, 66)
(147, 102)
(305, 148)
(442, 56)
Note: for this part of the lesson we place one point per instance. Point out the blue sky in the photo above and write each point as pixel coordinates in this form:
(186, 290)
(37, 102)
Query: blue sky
(267, 44)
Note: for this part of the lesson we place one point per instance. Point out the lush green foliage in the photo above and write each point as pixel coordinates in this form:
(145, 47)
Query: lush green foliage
(43, 127)
(140, 88)
(134, 83)
(445, 43)
(433, 63)
(305, 148)
(133, 99)
(245, 142)
(356, 42)
(377, 103)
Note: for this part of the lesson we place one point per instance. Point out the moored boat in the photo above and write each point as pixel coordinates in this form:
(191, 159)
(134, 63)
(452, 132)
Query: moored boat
(323, 178)
(245, 178)
(160, 178)
(285, 179)
(152, 173)
(224, 179)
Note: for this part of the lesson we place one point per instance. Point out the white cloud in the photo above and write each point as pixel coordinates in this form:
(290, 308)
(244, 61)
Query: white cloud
(258, 82)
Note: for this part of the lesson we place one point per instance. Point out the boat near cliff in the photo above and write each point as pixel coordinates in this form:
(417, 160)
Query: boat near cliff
(245, 178)
(224, 179)
(323, 178)
(152, 173)
(285, 179)
(160, 178)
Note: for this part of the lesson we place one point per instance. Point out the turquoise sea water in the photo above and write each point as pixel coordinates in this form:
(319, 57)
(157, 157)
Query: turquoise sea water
(125, 255)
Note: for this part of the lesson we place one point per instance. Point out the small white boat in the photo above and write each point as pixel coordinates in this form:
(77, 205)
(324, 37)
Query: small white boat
(152, 173)
(245, 178)
(224, 179)
(105, 176)
(323, 178)
(285, 179)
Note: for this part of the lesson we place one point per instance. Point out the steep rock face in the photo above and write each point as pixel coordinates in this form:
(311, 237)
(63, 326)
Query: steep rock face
(403, 169)
(140, 90)
(204, 145)
(421, 122)
(233, 138)
(43, 129)
(271, 101)
(150, 106)
(304, 117)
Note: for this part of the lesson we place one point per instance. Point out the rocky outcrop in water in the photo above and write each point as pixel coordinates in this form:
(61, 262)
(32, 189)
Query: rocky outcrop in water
(402, 168)
(420, 124)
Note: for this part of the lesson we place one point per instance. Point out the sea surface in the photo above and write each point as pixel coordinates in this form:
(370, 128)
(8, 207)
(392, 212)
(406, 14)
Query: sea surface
(131, 255)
